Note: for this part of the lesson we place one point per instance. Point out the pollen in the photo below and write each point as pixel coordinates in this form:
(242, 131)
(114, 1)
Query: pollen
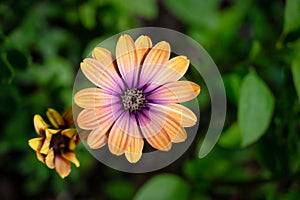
(133, 100)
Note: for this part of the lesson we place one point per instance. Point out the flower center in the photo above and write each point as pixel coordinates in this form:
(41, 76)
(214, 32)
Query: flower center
(133, 99)
(60, 143)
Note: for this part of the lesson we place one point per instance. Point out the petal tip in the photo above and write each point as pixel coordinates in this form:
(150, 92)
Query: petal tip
(115, 150)
(143, 42)
(133, 157)
(167, 147)
(35, 143)
(39, 124)
(163, 45)
(197, 89)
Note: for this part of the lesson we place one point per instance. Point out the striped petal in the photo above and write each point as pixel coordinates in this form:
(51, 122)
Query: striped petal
(87, 119)
(142, 44)
(71, 156)
(97, 138)
(180, 114)
(175, 92)
(103, 56)
(55, 118)
(121, 133)
(152, 129)
(102, 75)
(160, 141)
(62, 166)
(103, 117)
(155, 59)
(95, 97)
(169, 122)
(106, 58)
(135, 149)
(179, 136)
(40, 125)
(175, 131)
(173, 70)
(127, 59)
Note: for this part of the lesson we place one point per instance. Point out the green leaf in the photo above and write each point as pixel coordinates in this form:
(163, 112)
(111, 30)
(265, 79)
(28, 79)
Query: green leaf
(255, 109)
(145, 8)
(231, 137)
(164, 187)
(232, 84)
(87, 14)
(23, 60)
(6, 70)
(255, 49)
(188, 11)
(119, 189)
(296, 75)
(291, 16)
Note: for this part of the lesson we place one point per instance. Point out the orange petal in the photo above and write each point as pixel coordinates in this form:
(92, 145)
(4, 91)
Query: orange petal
(155, 59)
(62, 166)
(172, 70)
(102, 75)
(97, 138)
(55, 118)
(40, 125)
(52, 131)
(72, 144)
(35, 143)
(134, 150)
(103, 56)
(46, 145)
(174, 131)
(119, 136)
(151, 126)
(127, 59)
(103, 117)
(50, 159)
(175, 92)
(114, 149)
(40, 157)
(179, 113)
(87, 119)
(95, 97)
(170, 118)
(71, 156)
(143, 44)
(160, 141)
(68, 117)
(180, 135)
(70, 132)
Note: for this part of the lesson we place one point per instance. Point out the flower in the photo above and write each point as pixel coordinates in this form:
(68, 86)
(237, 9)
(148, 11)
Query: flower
(136, 97)
(57, 143)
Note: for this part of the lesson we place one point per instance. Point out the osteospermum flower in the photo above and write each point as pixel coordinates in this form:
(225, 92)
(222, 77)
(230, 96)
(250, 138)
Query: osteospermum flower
(136, 97)
(56, 145)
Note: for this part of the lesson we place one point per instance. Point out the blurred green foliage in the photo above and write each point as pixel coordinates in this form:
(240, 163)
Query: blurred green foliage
(255, 44)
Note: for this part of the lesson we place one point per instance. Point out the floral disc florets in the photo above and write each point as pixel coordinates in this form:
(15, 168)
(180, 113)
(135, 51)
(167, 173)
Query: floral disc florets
(133, 99)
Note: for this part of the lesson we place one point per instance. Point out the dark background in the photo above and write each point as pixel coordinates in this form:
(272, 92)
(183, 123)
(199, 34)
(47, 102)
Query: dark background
(43, 42)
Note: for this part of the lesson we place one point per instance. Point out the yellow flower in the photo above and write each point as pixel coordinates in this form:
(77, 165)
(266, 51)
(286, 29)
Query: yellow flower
(56, 145)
